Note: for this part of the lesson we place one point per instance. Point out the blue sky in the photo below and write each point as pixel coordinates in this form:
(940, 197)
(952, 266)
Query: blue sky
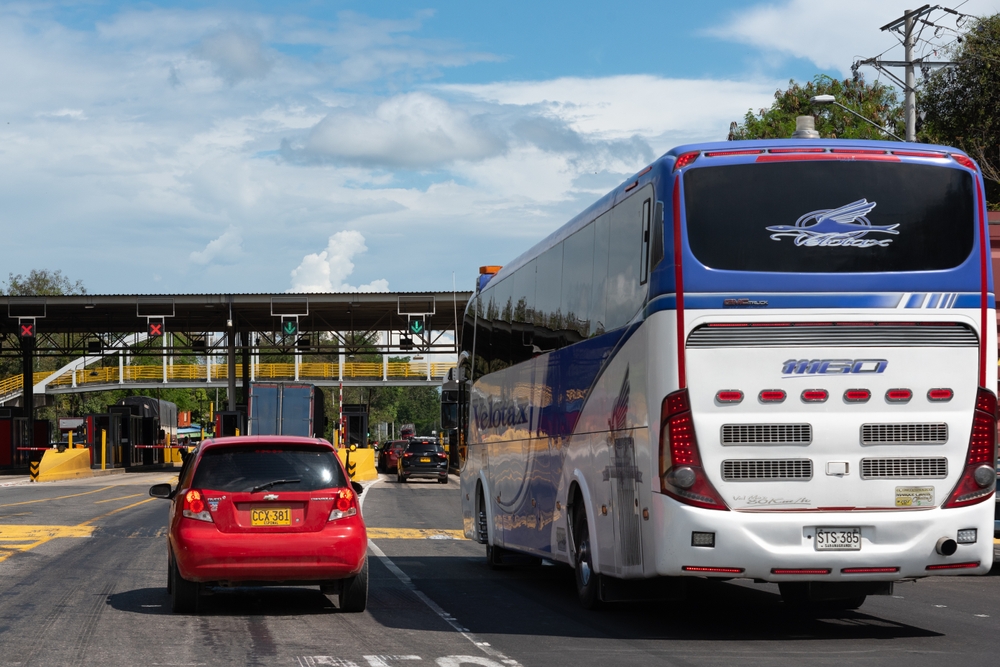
(163, 147)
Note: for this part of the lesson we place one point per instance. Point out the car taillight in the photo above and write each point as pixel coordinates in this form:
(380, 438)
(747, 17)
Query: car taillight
(898, 396)
(407, 454)
(815, 396)
(729, 396)
(681, 474)
(194, 507)
(940, 395)
(343, 506)
(442, 455)
(978, 480)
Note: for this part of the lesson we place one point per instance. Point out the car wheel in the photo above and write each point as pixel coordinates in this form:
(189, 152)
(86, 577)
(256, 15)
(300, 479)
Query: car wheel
(185, 594)
(443, 480)
(587, 580)
(354, 591)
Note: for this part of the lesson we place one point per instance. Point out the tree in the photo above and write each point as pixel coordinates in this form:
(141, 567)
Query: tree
(960, 105)
(875, 101)
(43, 283)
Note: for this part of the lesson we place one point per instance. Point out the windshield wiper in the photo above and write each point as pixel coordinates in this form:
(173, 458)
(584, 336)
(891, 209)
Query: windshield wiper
(268, 485)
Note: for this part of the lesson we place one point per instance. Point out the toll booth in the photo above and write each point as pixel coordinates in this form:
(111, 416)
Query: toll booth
(109, 423)
(26, 452)
(227, 422)
(356, 424)
(449, 419)
(137, 449)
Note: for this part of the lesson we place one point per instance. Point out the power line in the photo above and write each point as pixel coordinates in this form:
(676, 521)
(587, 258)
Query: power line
(909, 29)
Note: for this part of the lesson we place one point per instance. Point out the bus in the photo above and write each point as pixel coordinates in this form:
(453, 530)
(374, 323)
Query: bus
(771, 360)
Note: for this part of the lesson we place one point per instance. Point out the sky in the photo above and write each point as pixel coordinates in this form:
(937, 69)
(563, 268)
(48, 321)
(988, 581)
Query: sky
(239, 147)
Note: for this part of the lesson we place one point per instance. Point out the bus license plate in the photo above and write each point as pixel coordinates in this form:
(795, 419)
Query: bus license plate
(838, 539)
(425, 460)
(272, 516)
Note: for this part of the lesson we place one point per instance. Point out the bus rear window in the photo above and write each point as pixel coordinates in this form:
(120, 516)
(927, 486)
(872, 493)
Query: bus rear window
(830, 217)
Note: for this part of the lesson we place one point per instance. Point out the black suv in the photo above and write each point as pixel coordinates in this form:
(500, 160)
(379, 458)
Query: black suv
(423, 457)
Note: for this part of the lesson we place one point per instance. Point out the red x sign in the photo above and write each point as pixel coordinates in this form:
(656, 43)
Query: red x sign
(155, 328)
(28, 330)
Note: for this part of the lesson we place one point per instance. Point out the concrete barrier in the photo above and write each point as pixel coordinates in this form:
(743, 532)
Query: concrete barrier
(68, 464)
(360, 464)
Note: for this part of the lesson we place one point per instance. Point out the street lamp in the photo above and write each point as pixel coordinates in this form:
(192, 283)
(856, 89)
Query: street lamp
(830, 99)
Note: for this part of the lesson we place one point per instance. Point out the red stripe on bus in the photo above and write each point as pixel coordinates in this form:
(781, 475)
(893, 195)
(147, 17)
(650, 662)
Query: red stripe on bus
(983, 305)
(679, 286)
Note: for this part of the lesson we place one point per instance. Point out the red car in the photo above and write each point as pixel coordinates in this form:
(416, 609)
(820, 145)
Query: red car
(268, 510)
(390, 453)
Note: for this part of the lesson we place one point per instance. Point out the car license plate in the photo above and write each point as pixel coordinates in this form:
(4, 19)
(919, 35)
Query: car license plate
(425, 460)
(838, 539)
(272, 516)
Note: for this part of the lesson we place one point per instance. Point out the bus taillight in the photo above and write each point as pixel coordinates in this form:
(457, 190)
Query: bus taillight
(978, 481)
(681, 474)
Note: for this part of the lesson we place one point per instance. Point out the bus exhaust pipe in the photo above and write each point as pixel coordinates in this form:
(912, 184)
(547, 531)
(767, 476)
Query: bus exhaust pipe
(946, 546)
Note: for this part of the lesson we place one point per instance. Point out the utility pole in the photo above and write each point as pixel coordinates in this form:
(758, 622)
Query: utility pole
(908, 23)
(910, 97)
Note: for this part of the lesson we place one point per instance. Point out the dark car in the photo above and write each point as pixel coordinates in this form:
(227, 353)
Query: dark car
(423, 457)
(389, 454)
(268, 510)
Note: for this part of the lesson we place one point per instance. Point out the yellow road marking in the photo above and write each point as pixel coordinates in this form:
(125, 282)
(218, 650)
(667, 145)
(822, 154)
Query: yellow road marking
(42, 500)
(15, 538)
(414, 534)
(134, 495)
(120, 509)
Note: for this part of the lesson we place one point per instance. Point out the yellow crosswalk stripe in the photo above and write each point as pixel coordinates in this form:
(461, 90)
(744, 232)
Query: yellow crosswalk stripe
(414, 534)
(14, 538)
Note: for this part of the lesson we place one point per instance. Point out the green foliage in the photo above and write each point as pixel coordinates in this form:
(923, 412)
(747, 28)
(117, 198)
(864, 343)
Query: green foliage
(42, 282)
(960, 105)
(876, 102)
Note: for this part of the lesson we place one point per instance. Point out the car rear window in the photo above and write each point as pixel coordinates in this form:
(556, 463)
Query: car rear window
(424, 448)
(244, 468)
(830, 216)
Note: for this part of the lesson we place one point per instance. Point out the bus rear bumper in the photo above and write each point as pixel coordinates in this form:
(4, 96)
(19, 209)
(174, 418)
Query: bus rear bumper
(781, 545)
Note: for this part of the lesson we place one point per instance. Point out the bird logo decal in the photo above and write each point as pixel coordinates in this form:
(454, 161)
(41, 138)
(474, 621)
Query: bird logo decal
(846, 226)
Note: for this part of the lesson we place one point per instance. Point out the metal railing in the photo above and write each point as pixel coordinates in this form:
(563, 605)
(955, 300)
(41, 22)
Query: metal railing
(196, 372)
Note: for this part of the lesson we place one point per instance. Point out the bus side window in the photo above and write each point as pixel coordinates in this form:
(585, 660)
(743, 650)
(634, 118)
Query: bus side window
(577, 283)
(598, 299)
(644, 252)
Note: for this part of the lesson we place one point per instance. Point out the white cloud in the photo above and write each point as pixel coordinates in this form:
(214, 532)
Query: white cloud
(224, 250)
(327, 271)
(236, 55)
(831, 38)
(413, 129)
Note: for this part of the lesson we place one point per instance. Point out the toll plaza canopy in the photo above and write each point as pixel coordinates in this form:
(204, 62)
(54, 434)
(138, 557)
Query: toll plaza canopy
(383, 321)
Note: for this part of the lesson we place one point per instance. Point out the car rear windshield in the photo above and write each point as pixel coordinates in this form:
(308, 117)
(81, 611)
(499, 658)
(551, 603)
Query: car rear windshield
(830, 216)
(424, 448)
(244, 468)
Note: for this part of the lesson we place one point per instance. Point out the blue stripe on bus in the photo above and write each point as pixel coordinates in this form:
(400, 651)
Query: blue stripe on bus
(759, 302)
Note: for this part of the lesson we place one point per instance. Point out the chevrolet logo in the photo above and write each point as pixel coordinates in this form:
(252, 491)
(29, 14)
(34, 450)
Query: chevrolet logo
(271, 496)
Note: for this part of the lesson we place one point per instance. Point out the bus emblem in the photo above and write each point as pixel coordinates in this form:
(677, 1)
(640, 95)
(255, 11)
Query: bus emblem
(806, 367)
(846, 226)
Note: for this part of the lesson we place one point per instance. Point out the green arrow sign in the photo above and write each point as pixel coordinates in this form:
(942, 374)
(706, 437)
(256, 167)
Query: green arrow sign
(416, 326)
(290, 327)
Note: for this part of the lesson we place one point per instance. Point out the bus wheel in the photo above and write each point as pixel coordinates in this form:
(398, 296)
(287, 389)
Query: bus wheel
(494, 557)
(587, 581)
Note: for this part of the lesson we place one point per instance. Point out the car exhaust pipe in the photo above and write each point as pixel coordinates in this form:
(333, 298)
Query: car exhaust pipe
(946, 546)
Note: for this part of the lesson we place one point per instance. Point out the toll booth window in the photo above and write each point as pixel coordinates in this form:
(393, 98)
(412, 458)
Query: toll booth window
(239, 469)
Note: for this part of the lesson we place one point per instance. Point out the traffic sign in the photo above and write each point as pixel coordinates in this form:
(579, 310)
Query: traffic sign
(27, 327)
(154, 328)
(289, 326)
(417, 325)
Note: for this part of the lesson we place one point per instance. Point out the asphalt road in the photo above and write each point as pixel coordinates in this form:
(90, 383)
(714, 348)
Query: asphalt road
(83, 574)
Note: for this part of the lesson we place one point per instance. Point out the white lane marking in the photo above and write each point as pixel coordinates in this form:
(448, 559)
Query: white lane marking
(445, 616)
(383, 660)
(981, 615)
(380, 660)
